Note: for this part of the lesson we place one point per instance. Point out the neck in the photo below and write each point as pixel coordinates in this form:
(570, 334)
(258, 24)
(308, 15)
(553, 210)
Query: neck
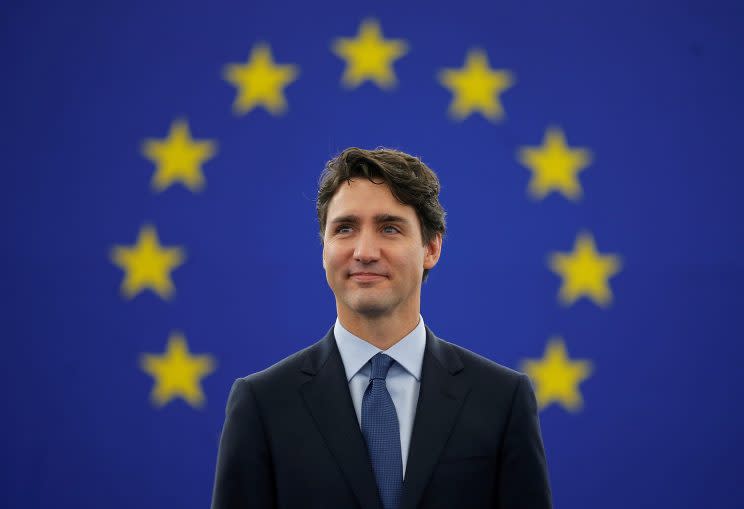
(380, 331)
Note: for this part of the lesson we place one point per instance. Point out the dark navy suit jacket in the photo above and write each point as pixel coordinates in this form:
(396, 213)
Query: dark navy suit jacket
(291, 437)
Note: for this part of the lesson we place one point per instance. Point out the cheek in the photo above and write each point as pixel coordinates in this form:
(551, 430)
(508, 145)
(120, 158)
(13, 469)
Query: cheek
(409, 263)
(332, 258)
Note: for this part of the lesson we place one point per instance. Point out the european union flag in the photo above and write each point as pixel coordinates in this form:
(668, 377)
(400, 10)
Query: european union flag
(161, 163)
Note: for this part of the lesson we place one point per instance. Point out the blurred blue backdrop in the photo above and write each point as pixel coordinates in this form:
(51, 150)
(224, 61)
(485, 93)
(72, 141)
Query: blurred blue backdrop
(91, 91)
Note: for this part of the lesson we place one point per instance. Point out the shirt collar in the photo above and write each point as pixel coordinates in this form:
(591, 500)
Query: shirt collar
(356, 352)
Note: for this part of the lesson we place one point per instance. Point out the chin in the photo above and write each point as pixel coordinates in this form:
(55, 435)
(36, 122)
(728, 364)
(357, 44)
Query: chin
(371, 308)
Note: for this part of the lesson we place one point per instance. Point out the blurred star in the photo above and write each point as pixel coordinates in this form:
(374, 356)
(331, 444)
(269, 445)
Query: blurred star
(556, 378)
(476, 87)
(260, 82)
(585, 272)
(369, 56)
(554, 166)
(178, 158)
(177, 373)
(147, 264)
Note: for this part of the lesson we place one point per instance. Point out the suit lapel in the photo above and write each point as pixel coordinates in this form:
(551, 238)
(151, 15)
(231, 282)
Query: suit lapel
(441, 395)
(329, 401)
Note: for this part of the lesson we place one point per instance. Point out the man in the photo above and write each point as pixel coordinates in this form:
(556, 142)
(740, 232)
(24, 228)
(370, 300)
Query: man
(380, 413)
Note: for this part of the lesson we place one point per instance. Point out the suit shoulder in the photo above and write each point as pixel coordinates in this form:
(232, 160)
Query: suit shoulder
(483, 366)
(281, 372)
(490, 380)
(276, 372)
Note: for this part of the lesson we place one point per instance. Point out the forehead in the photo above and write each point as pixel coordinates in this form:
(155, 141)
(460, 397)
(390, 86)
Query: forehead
(360, 196)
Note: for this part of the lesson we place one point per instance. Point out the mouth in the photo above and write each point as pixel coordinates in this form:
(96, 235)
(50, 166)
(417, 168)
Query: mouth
(365, 277)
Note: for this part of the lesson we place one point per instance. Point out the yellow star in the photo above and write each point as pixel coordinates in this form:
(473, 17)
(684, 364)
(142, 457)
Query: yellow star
(260, 82)
(554, 166)
(585, 272)
(556, 377)
(369, 56)
(178, 158)
(177, 373)
(147, 264)
(476, 87)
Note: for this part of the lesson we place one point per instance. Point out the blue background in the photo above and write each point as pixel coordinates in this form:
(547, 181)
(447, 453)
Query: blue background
(653, 89)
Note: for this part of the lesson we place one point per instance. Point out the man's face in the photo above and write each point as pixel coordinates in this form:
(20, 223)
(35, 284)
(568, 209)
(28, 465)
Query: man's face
(373, 251)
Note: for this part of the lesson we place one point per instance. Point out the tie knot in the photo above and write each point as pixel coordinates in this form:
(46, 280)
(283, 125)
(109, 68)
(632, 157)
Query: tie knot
(380, 365)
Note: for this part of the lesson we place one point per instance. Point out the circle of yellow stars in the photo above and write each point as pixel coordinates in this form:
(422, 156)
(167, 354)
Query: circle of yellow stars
(476, 88)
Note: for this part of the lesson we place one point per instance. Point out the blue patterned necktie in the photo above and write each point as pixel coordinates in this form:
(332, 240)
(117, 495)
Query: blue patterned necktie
(382, 433)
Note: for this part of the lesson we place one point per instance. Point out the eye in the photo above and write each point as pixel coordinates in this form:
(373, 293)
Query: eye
(340, 228)
(393, 228)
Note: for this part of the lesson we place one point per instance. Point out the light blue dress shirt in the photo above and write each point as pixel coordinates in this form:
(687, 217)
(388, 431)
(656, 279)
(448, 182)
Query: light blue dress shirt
(403, 380)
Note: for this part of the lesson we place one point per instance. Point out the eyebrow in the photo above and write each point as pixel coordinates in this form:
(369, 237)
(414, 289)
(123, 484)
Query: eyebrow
(379, 218)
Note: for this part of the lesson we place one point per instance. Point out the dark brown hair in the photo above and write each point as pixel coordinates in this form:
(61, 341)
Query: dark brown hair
(409, 179)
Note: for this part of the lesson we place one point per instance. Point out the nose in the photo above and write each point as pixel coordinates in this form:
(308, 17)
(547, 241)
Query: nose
(366, 249)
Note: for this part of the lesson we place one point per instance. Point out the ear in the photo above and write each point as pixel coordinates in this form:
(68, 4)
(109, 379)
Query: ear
(433, 251)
